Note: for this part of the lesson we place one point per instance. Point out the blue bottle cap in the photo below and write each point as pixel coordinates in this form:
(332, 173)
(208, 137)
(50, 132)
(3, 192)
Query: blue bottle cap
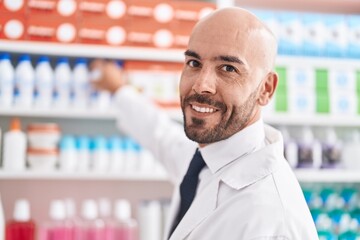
(24, 57)
(99, 142)
(67, 142)
(81, 61)
(43, 59)
(62, 60)
(5, 56)
(115, 143)
(83, 143)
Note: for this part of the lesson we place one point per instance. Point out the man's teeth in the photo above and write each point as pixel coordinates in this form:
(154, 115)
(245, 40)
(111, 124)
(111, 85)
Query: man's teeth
(203, 109)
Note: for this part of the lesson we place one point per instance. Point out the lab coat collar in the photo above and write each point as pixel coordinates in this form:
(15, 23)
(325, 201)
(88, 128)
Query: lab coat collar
(253, 167)
(219, 154)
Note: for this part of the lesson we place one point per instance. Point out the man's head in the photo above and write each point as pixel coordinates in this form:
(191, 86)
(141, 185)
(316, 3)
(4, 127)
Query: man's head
(228, 74)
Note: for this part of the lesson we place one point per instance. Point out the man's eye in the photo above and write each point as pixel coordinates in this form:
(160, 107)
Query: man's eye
(228, 68)
(193, 63)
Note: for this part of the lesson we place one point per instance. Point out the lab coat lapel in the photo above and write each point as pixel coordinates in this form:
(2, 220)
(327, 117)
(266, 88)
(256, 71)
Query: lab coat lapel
(202, 206)
(174, 208)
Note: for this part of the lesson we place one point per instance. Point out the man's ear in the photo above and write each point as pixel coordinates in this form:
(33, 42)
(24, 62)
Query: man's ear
(268, 88)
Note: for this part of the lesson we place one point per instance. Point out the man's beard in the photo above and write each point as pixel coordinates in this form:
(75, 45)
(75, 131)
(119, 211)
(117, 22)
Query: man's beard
(238, 119)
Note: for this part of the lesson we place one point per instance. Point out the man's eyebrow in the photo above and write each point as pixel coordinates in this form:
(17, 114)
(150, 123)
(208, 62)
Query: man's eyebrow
(192, 54)
(230, 59)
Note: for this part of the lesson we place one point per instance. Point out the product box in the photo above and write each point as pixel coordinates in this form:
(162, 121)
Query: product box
(151, 35)
(301, 101)
(58, 8)
(12, 26)
(343, 104)
(102, 30)
(337, 37)
(51, 29)
(13, 6)
(270, 19)
(291, 33)
(301, 77)
(188, 13)
(342, 80)
(353, 49)
(314, 34)
(160, 12)
(112, 9)
(156, 80)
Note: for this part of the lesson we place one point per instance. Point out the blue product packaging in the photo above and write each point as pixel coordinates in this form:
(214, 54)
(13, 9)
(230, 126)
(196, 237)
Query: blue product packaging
(337, 35)
(314, 35)
(291, 34)
(269, 18)
(353, 50)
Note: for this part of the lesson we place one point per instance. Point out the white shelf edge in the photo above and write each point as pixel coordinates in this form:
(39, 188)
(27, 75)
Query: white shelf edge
(93, 51)
(317, 62)
(150, 54)
(57, 175)
(176, 114)
(57, 113)
(315, 120)
(303, 175)
(328, 175)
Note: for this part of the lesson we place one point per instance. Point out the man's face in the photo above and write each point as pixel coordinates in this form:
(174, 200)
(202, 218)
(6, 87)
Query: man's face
(219, 87)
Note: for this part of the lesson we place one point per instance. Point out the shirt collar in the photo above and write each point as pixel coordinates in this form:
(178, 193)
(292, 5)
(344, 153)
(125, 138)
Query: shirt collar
(219, 154)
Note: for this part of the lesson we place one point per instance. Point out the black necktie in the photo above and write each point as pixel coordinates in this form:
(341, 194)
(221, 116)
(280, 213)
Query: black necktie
(188, 186)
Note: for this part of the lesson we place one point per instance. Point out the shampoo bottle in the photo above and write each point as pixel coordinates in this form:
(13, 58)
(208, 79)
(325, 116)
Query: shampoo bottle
(21, 227)
(14, 147)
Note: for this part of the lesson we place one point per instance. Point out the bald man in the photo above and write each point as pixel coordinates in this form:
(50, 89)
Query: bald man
(245, 190)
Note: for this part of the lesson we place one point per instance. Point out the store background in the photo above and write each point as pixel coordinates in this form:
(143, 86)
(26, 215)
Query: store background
(319, 90)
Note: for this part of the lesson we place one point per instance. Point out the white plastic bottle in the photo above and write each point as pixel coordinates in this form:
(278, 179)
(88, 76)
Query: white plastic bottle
(92, 226)
(57, 227)
(2, 221)
(80, 84)
(7, 81)
(83, 153)
(99, 99)
(24, 80)
(331, 149)
(44, 83)
(117, 154)
(126, 227)
(100, 155)
(310, 152)
(63, 78)
(290, 148)
(14, 147)
(350, 151)
(68, 154)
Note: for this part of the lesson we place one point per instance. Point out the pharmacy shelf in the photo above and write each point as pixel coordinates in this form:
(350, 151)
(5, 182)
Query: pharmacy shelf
(325, 6)
(92, 51)
(318, 62)
(176, 114)
(57, 175)
(55, 113)
(303, 175)
(328, 175)
(150, 54)
(314, 120)
(74, 113)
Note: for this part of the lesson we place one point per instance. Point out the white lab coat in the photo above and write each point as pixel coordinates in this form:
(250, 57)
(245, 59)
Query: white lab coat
(256, 197)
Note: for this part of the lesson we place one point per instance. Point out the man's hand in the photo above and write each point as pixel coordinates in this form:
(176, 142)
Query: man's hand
(106, 75)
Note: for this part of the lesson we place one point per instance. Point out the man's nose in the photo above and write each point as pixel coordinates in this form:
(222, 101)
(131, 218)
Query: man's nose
(205, 82)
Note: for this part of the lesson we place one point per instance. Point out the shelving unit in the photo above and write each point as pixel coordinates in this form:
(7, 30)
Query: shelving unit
(92, 51)
(57, 175)
(303, 175)
(333, 6)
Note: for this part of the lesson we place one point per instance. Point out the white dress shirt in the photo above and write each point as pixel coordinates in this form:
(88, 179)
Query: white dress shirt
(246, 192)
